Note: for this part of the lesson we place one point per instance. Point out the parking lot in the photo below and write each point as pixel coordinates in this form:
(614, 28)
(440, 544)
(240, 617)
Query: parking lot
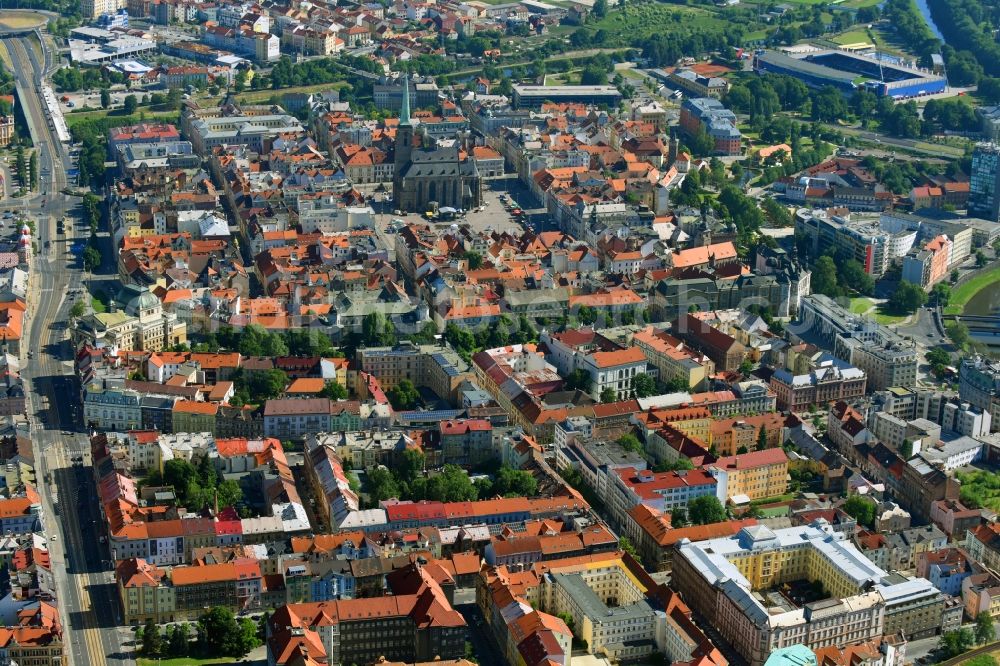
(92, 99)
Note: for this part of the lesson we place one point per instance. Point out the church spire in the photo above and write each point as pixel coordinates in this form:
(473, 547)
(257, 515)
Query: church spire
(404, 112)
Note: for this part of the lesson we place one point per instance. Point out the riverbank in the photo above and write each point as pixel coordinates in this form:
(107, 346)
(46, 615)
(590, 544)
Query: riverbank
(964, 292)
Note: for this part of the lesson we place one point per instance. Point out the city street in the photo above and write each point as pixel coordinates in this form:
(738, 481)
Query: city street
(87, 599)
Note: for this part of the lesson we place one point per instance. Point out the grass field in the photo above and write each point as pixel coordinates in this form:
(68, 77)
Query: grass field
(964, 292)
(864, 305)
(852, 37)
(264, 95)
(15, 20)
(77, 118)
(563, 79)
(861, 305)
(99, 301)
(887, 319)
(860, 3)
(646, 19)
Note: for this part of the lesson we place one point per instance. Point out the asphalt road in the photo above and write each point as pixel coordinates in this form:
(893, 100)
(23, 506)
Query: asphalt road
(88, 601)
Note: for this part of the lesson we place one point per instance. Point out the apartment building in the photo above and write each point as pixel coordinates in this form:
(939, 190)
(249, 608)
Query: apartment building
(437, 367)
(751, 476)
(294, 418)
(952, 227)
(929, 265)
(724, 350)
(663, 491)
(979, 384)
(416, 624)
(719, 577)
(709, 115)
(673, 359)
(884, 356)
(193, 416)
(828, 383)
(982, 542)
(466, 442)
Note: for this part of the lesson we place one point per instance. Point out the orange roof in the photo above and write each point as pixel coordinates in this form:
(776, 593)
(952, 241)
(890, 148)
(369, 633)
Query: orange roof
(696, 256)
(308, 385)
(192, 407)
(608, 359)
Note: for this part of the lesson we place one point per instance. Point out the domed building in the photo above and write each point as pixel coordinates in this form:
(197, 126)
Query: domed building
(140, 325)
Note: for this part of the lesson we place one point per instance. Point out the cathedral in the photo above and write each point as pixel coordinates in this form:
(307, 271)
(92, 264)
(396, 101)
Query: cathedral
(441, 173)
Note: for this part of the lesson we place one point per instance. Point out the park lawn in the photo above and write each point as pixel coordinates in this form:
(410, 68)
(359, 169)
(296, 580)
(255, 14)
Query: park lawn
(964, 292)
(861, 305)
(852, 37)
(888, 319)
(99, 301)
(642, 20)
(858, 4)
(184, 661)
(950, 151)
(563, 79)
(981, 484)
(77, 118)
(15, 20)
(268, 93)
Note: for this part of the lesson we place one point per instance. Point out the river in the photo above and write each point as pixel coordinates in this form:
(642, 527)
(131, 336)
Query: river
(926, 11)
(985, 302)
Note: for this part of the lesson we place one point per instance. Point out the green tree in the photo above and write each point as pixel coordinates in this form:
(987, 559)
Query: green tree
(403, 395)
(377, 331)
(78, 309)
(131, 103)
(954, 643)
(608, 395)
(959, 334)
(762, 438)
(578, 379)
(907, 298)
(105, 98)
(256, 386)
(985, 631)
(678, 517)
(705, 510)
(177, 644)
(334, 391)
(824, 277)
(152, 641)
(474, 259)
(33, 170)
(412, 466)
(852, 275)
(229, 493)
(626, 544)
(906, 450)
(91, 258)
(938, 359)
(600, 8)
(981, 259)
(512, 482)
(941, 294)
(21, 167)
(223, 635)
(862, 509)
(382, 485)
(586, 314)
(643, 385)
(630, 442)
